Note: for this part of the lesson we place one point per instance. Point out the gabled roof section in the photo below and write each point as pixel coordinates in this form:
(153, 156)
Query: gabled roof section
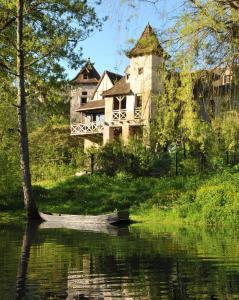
(114, 78)
(92, 105)
(120, 88)
(148, 43)
(93, 76)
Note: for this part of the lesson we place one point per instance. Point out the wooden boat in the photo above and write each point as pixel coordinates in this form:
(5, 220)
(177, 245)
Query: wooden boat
(115, 218)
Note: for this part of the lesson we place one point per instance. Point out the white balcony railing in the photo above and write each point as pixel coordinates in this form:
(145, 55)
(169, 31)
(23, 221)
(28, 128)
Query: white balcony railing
(87, 128)
(137, 113)
(119, 115)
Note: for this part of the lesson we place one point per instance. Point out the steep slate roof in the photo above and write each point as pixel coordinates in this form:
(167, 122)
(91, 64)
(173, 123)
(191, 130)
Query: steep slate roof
(112, 76)
(89, 69)
(92, 105)
(148, 43)
(120, 88)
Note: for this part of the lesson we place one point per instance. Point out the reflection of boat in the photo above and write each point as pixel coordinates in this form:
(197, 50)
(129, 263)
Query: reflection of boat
(100, 228)
(113, 218)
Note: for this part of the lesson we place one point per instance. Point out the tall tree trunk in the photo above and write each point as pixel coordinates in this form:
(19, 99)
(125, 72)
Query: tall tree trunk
(30, 205)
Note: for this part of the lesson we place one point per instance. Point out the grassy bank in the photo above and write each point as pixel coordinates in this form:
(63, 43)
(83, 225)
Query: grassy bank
(213, 199)
(208, 200)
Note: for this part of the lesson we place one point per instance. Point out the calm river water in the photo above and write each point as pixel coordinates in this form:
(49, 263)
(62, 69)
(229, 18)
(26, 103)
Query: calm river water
(139, 262)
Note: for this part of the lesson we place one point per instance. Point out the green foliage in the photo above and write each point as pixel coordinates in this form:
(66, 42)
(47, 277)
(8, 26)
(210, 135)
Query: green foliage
(212, 200)
(190, 85)
(218, 200)
(61, 25)
(189, 165)
(10, 180)
(47, 34)
(226, 131)
(133, 158)
(114, 158)
(204, 31)
(92, 194)
(54, 153)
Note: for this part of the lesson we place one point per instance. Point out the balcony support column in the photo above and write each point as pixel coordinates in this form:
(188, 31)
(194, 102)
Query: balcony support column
(125, 133)
(108, 134)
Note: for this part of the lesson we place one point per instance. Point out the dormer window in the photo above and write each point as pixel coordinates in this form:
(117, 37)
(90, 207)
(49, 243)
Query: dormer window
(84, 97)
(140, 71)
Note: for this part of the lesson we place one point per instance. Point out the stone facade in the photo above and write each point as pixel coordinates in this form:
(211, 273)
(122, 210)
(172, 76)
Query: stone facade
(77, 94)
(126, 101)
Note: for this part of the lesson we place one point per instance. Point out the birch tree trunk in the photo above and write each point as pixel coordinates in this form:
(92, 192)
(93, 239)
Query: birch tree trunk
(30, 205)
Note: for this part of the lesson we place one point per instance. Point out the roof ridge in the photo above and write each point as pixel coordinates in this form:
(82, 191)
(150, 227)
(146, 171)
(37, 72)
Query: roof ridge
(122, 87)
(107, 71)
(93, 69)
(101, 78)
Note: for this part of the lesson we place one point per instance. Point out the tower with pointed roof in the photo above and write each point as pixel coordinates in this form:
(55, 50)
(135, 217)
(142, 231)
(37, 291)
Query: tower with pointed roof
(144, 71)
(131, 99)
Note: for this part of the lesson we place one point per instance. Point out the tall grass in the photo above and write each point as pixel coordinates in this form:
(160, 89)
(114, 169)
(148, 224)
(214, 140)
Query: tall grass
(209, 200)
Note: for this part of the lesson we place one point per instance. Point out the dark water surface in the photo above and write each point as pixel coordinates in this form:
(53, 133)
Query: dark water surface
(143, 262)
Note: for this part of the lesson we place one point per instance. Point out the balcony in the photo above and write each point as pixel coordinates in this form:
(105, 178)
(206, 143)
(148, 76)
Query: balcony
(87, 128)
(119, 115)
(137, 113)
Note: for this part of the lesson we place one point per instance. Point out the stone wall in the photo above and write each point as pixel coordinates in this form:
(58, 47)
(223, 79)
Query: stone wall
(75, 102)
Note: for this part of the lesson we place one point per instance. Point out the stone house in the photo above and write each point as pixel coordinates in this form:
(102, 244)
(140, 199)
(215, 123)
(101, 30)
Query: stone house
(104, 108)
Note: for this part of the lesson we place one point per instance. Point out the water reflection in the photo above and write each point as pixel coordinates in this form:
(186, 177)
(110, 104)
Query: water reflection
(119, 230)
(151, 262)
(29, 234)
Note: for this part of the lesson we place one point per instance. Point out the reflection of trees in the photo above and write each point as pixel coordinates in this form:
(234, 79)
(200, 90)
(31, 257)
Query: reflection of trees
(30, 232)
(129, 277)
(144, 265)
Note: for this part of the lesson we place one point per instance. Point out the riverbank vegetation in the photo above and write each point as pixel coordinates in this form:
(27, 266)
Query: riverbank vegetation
(184, 169)
(205, 200)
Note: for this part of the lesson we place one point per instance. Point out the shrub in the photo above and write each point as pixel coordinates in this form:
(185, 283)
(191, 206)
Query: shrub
(219, 202)
(189, 166)
(114, 158)
(133, 158)
(54, 153)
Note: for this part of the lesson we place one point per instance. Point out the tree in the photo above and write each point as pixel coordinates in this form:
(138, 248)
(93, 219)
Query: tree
(209, 29)
(35, 37)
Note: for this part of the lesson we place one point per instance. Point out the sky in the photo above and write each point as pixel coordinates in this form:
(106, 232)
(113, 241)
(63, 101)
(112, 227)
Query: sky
(105, 48)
